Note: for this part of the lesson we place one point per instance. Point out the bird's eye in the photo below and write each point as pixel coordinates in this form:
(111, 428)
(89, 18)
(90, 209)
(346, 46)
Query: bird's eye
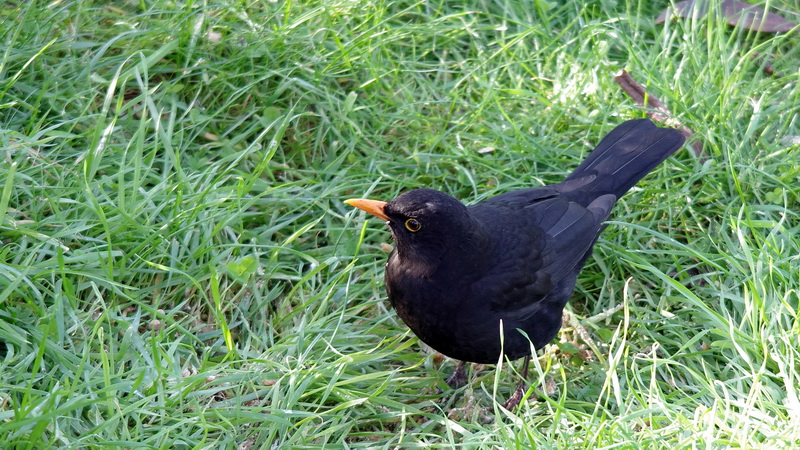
(413, 225)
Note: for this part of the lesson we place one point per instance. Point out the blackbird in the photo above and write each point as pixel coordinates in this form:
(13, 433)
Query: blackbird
(458, 272)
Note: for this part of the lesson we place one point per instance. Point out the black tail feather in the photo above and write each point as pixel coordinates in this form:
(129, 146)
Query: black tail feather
(628, 153)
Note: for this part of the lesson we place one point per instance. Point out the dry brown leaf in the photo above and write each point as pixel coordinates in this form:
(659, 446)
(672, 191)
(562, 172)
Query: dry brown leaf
(736, 13)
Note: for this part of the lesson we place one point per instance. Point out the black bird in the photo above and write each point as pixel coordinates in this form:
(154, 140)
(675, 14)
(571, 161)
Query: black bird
(458, 271)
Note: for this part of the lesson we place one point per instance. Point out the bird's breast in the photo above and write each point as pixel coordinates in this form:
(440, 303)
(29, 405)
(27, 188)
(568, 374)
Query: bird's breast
(435, 303)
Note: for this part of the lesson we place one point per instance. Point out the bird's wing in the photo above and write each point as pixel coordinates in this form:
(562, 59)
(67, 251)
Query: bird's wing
(540, 241)
(570, 231)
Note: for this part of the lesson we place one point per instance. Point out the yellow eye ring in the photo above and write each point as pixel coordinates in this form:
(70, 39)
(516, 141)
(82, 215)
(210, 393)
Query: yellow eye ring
(413, 225)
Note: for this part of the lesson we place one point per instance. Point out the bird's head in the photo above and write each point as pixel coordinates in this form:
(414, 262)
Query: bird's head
(426, 224)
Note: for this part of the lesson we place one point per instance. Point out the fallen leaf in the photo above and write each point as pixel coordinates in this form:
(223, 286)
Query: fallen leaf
(214, 36)
(736, 13)
(791, 140)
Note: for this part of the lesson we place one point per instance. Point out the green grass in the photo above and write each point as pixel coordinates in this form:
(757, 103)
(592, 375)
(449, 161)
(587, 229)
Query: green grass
(178, 270)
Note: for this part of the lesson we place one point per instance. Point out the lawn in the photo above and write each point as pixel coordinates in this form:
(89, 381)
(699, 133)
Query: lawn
(178, 268)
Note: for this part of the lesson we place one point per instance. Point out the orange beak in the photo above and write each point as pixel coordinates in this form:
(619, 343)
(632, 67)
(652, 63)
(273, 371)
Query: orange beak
(374, 207)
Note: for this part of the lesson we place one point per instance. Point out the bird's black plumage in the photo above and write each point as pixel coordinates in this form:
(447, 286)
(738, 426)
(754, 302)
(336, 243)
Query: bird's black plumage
(458, 271)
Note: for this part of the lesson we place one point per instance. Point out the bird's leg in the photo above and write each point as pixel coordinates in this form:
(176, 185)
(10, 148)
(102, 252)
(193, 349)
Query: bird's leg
(516, 397)
(459, 376)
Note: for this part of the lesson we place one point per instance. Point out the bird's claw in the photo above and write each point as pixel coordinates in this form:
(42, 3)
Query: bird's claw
(516, 397)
